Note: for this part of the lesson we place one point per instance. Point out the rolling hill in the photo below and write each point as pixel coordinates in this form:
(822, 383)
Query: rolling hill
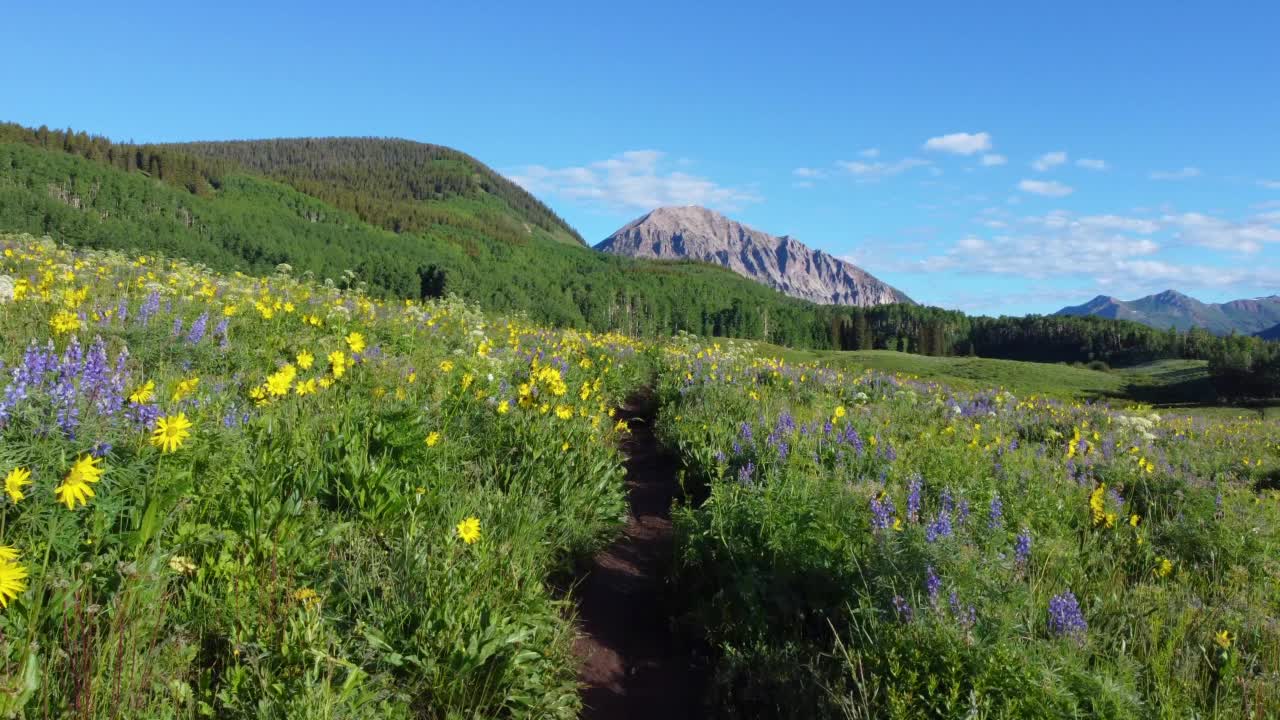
(406, 219)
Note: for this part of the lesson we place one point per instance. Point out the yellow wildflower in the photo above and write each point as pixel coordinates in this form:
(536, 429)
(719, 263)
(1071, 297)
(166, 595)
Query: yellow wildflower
(338, 363)
(469, 530)
(14, 481)
(446, 366)
(433, 439)
(13, 580)
(1223, 639)
(355, 341)
(305, 360)
(144, 393)
(76, 487)
(64, 322)
(171, 432)
(185, 388)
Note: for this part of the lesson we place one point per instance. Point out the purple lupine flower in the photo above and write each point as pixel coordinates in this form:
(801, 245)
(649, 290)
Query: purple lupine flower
(720, 457)
(111, 398)
(939, 528)
(903, 608)
(745, 431)
(1065, 617)
(177, 327)
(945, 501)
(962, 514)
(1022, 548)
(224, 340)
(149, 308)
(932, 585)
(966, 617)
(122, 310)
(882, 513)
(143, 416)
(101, 449)
(196, 334)
(995, 514)
(1115, 496)
(913, 499)
(746, 473)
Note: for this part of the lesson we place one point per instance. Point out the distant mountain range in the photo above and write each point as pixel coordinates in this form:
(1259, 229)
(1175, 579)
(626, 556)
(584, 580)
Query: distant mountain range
(1270, 334)
(782, 263)
(1174, 309)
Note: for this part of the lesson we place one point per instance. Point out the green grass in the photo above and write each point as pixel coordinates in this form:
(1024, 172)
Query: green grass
(971, 373)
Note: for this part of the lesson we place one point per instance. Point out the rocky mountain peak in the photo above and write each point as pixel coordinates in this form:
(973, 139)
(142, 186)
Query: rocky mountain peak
(783, 263)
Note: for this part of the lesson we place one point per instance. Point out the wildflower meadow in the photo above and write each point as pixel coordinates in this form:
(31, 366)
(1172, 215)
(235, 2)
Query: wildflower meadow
(234, 496)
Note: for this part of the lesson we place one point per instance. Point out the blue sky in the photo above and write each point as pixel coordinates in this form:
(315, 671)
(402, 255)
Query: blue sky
(996, 157)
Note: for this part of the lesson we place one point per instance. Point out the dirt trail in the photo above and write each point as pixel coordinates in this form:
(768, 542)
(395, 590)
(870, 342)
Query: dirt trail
(634, 665)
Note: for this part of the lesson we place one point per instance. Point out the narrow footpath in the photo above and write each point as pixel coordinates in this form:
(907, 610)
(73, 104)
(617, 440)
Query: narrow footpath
(633, 664)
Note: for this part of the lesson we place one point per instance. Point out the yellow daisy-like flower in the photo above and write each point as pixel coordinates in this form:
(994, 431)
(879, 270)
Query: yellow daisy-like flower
(171, 432)
(9, 552)
(446, 366)
(185, 388)
(144, 393)
(564, 412)
(433, 439)
(1223, 639)
(305, 387)
(504, 407)
(305, 360)
(64, 322)
(1163, 567)
(839, 412)
(469, 530)
(13, 581)
(355, 341)
(76, 487)
(338, 363)
(14, 481)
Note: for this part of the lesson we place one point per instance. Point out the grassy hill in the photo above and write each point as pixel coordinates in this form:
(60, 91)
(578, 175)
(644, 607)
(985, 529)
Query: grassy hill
(407, 219)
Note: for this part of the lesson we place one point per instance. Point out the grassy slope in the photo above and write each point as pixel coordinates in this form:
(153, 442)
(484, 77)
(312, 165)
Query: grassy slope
(252, 223)
(1180, 384)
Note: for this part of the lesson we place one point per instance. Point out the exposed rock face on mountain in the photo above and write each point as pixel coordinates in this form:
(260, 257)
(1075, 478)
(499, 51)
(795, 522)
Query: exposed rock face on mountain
(783, 263)
(1173, 309)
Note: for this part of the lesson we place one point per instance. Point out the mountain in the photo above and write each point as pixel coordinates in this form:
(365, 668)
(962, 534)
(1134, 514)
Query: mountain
(1272, 333)
(782, 263)
(1173, 309)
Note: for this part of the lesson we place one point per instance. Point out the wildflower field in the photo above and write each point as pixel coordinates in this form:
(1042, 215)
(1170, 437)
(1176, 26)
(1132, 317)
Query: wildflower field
(228, 496)
(875, 546)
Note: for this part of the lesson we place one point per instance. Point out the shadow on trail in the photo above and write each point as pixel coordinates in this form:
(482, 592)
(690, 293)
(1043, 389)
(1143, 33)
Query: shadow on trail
(634, 665)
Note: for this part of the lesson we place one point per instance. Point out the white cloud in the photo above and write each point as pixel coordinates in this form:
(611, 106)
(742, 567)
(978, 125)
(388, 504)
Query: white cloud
(1220, 234)
(1048, 188)
(1183, 174)
(1049, 160)
(870, 153)
(1092, 163)
(872, 171)
(1112, 251)
(1270, 184)
(807, 172)
(960, 143)
(634, 179)
(994, 159)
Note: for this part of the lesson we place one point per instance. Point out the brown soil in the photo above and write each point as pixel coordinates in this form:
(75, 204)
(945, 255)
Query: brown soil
(634, 665)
